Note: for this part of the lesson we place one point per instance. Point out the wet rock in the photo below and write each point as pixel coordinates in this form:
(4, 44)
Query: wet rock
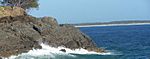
(95, 49)
(63, 50)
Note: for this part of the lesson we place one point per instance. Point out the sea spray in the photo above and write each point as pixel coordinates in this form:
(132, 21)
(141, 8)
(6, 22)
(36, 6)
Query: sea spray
(49, 52)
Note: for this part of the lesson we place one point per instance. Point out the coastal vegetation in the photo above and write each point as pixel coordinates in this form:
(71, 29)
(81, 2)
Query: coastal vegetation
(25, 4)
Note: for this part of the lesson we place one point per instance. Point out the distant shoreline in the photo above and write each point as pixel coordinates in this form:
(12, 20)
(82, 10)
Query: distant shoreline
(93, 25)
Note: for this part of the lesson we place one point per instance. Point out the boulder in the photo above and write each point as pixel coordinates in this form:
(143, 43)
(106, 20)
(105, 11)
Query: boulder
(51, 21)
(63, 50)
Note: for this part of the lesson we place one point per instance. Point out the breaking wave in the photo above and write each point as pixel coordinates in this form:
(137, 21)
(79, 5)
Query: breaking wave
(49, 52)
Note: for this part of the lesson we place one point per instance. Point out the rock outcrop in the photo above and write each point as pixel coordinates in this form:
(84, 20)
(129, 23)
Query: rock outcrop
(22, 33)
(11, 11)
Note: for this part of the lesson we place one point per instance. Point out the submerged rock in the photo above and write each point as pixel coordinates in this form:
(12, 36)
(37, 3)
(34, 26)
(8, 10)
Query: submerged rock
(20, 34)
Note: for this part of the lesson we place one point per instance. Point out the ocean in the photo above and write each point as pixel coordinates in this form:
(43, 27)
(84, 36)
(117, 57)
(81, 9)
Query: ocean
(121, 42)
(128, 42)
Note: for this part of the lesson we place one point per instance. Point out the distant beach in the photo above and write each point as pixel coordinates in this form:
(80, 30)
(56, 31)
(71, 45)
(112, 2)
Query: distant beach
(111, 25)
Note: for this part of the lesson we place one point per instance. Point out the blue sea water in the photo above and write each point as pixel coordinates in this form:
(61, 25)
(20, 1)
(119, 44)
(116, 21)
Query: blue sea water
(124, 42)
(127, 42)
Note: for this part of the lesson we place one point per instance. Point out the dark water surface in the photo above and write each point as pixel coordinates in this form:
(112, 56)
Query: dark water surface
(126, 42)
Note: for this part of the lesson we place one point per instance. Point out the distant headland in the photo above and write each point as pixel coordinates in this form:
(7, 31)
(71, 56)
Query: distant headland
(113, 23)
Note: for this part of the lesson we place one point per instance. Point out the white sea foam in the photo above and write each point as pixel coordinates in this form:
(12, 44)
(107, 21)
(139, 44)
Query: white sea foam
(51, 52)
(113, 25)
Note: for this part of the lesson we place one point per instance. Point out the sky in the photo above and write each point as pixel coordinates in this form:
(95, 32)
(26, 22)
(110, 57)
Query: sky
(89, 11)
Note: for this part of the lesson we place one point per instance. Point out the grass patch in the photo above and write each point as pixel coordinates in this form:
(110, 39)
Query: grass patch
(5, 8)
(1, 8)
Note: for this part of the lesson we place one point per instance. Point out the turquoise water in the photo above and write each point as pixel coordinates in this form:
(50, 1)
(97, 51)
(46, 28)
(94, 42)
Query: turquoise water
(68, 57)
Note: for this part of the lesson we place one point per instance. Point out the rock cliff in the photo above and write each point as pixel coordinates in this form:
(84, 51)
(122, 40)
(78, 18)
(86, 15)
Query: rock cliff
(20, 34)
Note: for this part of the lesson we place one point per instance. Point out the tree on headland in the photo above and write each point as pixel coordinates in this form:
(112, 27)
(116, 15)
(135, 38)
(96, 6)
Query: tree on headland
(25, 4)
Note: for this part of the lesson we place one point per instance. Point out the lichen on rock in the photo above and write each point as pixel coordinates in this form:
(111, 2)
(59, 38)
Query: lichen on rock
(11, 11)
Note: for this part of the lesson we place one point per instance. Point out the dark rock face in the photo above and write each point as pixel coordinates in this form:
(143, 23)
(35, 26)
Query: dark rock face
(22, 33)
(63, 50)
(16, 37)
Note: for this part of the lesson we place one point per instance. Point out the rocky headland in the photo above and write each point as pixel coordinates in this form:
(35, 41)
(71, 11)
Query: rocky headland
(20, 33)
